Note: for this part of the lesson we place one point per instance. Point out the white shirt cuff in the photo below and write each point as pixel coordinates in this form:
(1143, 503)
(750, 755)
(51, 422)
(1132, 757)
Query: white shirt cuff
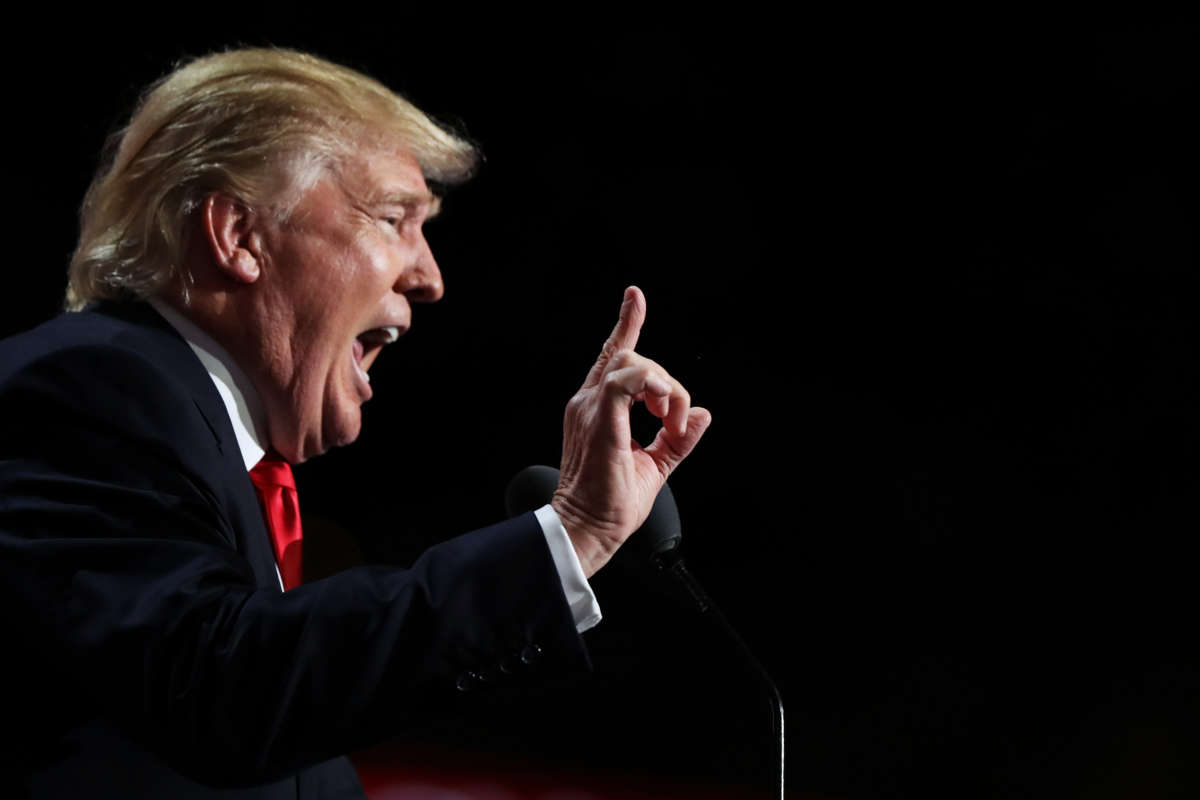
(580, 597)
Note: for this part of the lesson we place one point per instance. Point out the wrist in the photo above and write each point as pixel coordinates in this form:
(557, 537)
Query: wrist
(589, 547)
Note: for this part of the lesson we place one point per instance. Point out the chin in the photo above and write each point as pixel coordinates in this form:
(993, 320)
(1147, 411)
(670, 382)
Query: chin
(344, 430)
(332, 425)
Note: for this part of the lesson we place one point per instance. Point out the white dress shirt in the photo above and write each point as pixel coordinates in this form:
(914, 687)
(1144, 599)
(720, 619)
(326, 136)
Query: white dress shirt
(249, 427)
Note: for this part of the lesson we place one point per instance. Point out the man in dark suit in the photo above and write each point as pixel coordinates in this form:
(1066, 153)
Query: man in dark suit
(253, 242)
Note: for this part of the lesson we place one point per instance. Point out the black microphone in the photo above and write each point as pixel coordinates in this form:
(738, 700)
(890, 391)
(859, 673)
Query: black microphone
(530, 489)
(658, 538)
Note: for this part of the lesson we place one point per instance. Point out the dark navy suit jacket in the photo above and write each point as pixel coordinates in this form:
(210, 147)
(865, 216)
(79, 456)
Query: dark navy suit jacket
(150, 650)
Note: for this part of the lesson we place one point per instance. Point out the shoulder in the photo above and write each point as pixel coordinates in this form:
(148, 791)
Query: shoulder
(102, 366)
(105, 389)
(106, 331)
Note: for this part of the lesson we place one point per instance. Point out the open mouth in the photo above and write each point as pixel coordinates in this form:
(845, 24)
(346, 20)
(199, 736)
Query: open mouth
(367, 346)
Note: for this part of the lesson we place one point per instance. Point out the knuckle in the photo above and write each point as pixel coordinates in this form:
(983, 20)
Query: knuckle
(621, 357)
(612, 382)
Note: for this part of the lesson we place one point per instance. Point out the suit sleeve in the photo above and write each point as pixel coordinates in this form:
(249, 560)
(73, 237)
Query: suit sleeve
(121, 575)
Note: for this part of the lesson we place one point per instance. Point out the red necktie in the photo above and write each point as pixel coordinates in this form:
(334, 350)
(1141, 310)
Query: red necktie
(276, 489)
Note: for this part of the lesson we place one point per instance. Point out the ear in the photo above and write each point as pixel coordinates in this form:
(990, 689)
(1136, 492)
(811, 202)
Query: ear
(229, 231)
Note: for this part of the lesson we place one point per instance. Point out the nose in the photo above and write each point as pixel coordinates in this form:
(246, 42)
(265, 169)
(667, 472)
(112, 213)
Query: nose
(422, 281)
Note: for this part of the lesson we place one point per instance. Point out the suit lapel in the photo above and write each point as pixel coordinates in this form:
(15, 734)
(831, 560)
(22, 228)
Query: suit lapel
(226, 469)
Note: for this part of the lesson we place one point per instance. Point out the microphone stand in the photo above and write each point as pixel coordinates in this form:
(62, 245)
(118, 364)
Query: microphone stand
(671, 562)
(659, 539)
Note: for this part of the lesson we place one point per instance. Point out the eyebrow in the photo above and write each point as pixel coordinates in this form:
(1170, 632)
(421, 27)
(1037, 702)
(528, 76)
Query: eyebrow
(405, 198)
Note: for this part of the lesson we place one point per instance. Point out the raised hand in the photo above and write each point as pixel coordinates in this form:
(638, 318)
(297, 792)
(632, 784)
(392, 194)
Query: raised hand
(608, 481)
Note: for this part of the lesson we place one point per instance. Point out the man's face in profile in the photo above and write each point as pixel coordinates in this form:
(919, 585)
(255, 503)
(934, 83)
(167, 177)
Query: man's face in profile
(340, 274)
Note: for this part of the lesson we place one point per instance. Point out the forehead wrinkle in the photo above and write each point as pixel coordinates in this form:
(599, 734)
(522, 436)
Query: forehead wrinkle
(358, 183)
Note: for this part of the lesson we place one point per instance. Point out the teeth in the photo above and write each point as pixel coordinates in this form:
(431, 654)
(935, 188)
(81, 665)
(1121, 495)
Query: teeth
(380, 336)
(362, 372)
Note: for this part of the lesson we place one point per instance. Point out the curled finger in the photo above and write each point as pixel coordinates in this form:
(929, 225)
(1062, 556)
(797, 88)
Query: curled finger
(681, 406)
(627, 383)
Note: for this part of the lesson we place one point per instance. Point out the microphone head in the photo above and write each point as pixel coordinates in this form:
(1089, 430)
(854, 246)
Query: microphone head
(662, 530)
(533, 487)
(530, 489)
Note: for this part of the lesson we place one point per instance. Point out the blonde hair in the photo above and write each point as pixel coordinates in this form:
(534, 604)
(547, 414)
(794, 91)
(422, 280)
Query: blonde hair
(259, 124)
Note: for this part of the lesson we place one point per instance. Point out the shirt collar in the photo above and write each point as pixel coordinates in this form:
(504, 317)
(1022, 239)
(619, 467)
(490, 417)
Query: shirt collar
(237, 393)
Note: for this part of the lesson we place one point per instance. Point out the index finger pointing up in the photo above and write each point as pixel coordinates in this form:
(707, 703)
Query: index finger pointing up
(625, 335)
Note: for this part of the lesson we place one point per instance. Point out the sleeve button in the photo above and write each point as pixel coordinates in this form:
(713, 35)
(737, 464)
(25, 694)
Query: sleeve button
(531, 654)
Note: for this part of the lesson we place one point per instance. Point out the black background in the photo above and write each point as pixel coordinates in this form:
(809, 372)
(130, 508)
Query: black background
(936, 280)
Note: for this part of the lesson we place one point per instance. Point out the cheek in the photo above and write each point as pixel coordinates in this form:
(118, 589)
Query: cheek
(326, 297)
(359, 274)
(376, 268)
